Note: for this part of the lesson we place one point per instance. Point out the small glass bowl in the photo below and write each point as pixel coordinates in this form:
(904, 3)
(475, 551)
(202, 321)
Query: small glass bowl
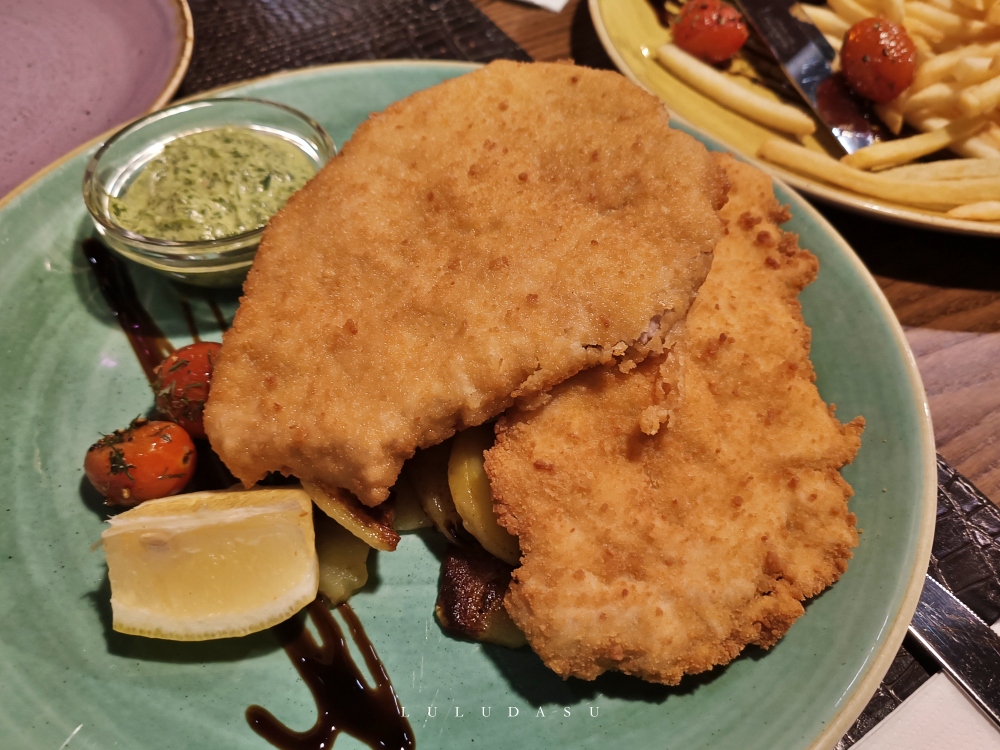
(218, 262)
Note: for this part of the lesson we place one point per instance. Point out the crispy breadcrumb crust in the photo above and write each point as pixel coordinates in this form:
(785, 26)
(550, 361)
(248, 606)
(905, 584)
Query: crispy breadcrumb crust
(473, 244)
(670, 516)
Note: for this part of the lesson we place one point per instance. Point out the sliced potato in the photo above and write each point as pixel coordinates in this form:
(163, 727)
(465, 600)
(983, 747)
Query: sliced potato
(502, 631)
(470, 490)
(343, 560)
(371, 525)
(409, 515)
(427, 473)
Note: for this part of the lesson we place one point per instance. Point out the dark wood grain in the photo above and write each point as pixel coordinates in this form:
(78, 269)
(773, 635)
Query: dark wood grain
(567, 35)
(945, 288)
(542, 34)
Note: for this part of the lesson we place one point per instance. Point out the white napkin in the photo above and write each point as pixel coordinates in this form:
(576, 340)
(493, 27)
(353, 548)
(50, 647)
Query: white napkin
(938, 716)
(554, 5)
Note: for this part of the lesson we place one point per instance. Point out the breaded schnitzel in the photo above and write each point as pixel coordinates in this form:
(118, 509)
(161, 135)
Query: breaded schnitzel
(664, 554)
(474, 244)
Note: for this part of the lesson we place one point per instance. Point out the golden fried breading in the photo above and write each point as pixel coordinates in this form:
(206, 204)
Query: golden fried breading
(662, 555)
(476, 243)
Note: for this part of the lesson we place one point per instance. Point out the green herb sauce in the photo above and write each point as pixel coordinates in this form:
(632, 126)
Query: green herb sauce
(212, 184)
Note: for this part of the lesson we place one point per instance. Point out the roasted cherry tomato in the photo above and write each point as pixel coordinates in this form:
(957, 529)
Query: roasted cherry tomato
(710, 30)
(146, 461)
(182, 385)
(878, 59)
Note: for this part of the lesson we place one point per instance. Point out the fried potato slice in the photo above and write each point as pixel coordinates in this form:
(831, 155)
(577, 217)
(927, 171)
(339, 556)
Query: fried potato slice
(371, 525)
(427, 473)
(408, 513)
(343, 560)
(470, 489)
(470, 597)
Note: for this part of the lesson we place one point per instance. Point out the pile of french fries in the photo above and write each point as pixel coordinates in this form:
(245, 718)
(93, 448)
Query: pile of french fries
(954, 101)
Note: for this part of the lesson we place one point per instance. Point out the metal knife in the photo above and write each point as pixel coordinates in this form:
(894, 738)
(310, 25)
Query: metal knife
(961, 643)
(806, 57)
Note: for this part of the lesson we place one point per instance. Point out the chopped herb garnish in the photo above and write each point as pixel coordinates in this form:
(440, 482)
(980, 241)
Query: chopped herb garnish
(212, 184)
(119, 465)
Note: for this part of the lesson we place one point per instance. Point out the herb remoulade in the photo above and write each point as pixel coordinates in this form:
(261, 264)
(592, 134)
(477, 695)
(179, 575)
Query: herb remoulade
(212, 184)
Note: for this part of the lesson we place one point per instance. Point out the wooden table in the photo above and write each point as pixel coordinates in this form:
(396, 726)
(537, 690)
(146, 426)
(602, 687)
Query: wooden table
(945, 288)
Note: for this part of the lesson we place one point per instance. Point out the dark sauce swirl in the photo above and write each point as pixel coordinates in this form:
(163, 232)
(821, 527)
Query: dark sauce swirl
(345, 701)
(151, 347)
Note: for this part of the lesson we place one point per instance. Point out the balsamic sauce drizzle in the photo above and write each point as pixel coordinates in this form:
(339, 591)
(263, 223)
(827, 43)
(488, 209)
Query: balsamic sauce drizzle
(345, 702)
(189, 319)
(151, 347)
(220, 319)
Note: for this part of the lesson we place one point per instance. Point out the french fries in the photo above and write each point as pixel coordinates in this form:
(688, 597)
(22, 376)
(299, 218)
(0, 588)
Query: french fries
(953, 103)
(825, 19)
(977, 147)
(981, 98)
(891, 153)
(891, 115)
(984, 211)
(726, 91)
(942, 65)
(916, 192)
(894, 10)
(947, 169)
(850, 11)
(971, 70)
(921, 30)
(936, 97)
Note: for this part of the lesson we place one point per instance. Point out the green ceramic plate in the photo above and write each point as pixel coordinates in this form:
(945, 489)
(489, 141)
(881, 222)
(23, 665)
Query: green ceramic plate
(68, 374)
(631, 35)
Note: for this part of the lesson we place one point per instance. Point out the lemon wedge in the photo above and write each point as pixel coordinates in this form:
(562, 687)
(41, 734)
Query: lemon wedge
(211, 564)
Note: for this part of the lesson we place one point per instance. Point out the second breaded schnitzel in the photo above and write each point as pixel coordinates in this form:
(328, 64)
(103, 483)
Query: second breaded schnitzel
(474, 244)
(670, 516)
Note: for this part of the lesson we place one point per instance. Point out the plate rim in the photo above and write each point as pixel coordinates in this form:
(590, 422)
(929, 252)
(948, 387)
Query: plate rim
(877, 666)
(837, 196)
(183, 61)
